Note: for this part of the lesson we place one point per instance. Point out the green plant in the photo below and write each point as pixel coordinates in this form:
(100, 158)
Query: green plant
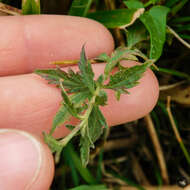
(83, 96)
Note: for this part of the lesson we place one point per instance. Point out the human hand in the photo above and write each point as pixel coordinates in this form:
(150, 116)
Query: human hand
(28, 103)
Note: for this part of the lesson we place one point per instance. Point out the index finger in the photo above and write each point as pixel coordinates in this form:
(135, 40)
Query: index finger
(30, 42)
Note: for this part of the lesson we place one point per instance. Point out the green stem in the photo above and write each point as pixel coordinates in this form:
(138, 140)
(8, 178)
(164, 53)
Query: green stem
(84, 120)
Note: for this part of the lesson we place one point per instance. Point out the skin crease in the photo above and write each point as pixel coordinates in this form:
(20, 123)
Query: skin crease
(28, 103)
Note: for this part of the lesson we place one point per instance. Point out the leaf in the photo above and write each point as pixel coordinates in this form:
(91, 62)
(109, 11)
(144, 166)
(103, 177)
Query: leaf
(70, 80)
(119, 54)
(91, 187)
(155, 22)
(133, 4)
(100, 117)
(54, 145)
(63, 114)
(80, 7)
(94, 130)
(68, 103)
(136, 33)
(84, 172)
(102, 98)
(70, 127)
(103, 57)
(30, 7)
(86, 71)
(119, 18)
(84, 150)
(95, 125)
(126, 78)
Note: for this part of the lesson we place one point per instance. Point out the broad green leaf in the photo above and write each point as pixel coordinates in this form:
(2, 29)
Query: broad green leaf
(80, 7)
(119, 18)
(136, 33)
(86, 71)
(91, 187)
(30, 7)
(155, 22)
(133, 4)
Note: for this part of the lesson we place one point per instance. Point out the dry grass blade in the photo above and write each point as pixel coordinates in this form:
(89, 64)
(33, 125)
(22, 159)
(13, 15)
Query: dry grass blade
(119, 143)
(178, 37)
(158, 148)
(8, 10)
(176, 132)
(138, 171)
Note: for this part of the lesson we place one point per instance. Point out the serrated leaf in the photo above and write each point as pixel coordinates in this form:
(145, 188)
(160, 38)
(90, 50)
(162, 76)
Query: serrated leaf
(30, 7)
(94, 130)
(71, 80)
(102, 98)
(53, 144)
(103, 57)
(94, 124)
(100, 80)
(87, 73)
(84, 150)
(155, 22)
(80, 7)
(126, 78)
(119, 91)
(100, 117)
(119, 18)
(119, 54)
(61, 117)
(68, 103)
(70, 127)
(63, 114)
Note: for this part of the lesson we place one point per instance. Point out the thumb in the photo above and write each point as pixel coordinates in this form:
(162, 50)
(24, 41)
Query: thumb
(25, 161)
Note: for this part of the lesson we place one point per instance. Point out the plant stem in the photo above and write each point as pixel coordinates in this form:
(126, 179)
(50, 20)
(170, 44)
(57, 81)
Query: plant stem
(84, 120)
(178, 37)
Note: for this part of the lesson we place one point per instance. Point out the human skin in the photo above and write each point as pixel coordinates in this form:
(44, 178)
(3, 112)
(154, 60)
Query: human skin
(28, 103)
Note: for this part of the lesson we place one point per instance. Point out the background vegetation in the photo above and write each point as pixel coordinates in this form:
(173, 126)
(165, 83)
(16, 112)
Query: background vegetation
(153, 151)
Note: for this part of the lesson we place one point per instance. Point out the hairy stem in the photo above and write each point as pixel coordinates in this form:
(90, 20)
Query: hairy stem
(84, 120)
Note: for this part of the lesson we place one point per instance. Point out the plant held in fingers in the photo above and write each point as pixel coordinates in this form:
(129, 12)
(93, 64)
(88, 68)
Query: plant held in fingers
(83, 96)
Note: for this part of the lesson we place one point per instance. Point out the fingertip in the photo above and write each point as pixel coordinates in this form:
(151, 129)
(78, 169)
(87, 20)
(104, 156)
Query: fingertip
(26, 162)
(33, 41)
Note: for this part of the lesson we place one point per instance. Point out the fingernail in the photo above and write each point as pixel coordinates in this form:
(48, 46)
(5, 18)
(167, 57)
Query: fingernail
(20, 159)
